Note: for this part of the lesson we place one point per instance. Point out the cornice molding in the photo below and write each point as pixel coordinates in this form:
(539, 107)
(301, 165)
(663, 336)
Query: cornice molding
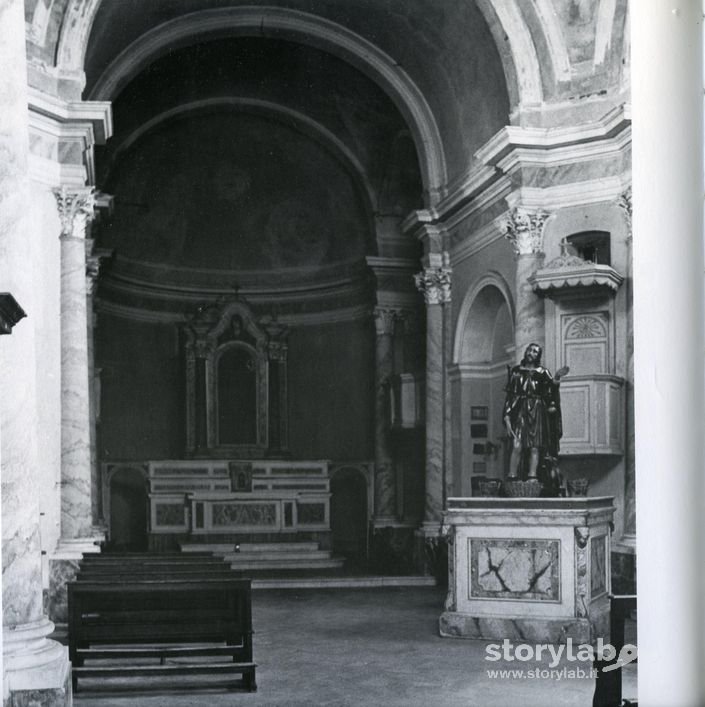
(473, 371)
(147, 316)
(295, 281)
(512, 136)
(514, 146)
(51, 174)
(97, 113)
(592, 191)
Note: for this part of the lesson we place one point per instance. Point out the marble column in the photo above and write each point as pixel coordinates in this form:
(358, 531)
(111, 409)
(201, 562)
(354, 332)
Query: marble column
(35, 670)
(75, 209)
(385, 481)
(78, 533)
(434, 282)
(524, 228)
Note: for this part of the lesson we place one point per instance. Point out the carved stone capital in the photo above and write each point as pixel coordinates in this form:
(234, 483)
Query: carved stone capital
(434, 284)
(524, 229)
(76, 208)
(385, 319)
(277, 350)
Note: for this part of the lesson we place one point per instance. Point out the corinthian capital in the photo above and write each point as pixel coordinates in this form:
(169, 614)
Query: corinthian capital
(434, 284)
(76, 207)
(385, 319)
(524, 228)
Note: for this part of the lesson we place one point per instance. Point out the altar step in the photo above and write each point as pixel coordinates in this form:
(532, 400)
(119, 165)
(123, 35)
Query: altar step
(270, 556)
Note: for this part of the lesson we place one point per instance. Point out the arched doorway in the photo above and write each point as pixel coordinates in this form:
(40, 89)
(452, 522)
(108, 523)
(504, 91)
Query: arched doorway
(128, 511)
(484, 349)
(349, 513)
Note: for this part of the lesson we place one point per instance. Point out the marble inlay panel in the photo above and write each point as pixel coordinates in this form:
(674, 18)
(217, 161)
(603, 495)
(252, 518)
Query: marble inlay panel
(169, 514)
(514, 569)
(310, 513)
(598, 566)
(229, 514)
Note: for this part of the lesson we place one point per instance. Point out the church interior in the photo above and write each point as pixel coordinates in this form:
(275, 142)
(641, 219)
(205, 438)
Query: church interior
(267, 268)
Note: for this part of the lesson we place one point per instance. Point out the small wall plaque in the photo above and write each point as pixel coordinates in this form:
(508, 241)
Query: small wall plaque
(479, 412)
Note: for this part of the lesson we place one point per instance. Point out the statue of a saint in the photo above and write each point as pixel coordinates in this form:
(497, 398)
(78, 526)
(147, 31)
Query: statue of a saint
(532, 411)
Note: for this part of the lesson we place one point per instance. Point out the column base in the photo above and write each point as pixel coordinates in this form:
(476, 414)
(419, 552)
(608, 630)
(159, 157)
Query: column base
(36, 669)
(454, 624)
(63, 568)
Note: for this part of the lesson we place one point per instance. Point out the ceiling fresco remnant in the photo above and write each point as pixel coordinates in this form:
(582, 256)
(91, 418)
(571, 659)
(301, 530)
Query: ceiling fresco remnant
(236, 192)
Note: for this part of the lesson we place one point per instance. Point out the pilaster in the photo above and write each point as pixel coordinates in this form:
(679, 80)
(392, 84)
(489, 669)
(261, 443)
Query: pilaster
(625, 203)
(385, 481)
(434, 283)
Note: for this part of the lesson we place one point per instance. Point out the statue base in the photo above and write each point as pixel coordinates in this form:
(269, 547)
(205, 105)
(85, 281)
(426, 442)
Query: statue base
(528, 569)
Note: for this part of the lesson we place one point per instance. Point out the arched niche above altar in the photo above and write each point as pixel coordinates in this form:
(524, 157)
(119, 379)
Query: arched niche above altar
(236, 391)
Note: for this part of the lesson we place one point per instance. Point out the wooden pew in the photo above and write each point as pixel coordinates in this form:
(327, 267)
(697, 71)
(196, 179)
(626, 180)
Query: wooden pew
(131, 620)
(152, 566)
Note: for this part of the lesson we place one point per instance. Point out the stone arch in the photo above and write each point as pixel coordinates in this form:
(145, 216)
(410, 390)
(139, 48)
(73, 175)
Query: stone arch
(298, 27)
(520, 61)
(125, 503)
(483, 344)
(305, 124)
(470, 316)
(351, 488)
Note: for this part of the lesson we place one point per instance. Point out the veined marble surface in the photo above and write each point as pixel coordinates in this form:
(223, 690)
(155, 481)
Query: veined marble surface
(528, 567)
(76, 511)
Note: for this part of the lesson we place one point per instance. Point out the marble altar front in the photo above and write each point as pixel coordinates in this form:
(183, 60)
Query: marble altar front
(528, 569)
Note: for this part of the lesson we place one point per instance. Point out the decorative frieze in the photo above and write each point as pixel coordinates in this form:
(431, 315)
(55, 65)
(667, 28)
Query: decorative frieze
(434, 284)
(524, 229)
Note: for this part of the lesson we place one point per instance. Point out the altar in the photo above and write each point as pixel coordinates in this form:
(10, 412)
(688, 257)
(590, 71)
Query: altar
(213, 500)
(528, 569)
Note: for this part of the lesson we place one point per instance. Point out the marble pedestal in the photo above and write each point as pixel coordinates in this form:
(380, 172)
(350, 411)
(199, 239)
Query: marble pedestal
(530, 570)
(37, 672)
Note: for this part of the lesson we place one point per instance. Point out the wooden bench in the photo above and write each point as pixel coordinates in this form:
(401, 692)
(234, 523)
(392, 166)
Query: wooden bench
(128, 621)
(153, 566)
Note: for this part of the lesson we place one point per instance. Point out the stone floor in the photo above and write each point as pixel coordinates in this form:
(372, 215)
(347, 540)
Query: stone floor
(363, 647)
